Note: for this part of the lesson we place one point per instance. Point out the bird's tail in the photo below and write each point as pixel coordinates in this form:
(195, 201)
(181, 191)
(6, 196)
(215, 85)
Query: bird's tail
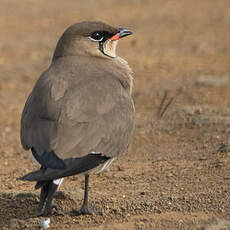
(73, 166)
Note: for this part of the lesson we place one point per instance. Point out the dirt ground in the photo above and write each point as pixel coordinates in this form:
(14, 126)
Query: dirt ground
(176, 173)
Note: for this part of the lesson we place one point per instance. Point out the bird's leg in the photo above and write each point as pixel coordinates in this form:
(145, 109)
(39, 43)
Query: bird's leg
(49, 206)
(43, 196)
(85, 209)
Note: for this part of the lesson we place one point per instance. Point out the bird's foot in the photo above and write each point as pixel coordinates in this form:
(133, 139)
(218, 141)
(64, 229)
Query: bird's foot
(39, 213)
(48, 211)
(57, 210)
(85, 210)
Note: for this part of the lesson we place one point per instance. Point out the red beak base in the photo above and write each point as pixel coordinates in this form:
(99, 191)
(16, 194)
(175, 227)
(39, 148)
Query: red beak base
(115, 37)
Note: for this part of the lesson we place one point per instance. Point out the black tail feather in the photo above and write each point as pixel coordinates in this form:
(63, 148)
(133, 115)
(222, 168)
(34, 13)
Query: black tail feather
(73, 166)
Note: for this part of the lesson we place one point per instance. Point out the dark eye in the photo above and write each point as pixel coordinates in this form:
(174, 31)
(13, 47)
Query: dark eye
(96, 36)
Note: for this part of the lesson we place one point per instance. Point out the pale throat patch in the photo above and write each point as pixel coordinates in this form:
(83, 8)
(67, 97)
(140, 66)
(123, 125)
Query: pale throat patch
(109, 48)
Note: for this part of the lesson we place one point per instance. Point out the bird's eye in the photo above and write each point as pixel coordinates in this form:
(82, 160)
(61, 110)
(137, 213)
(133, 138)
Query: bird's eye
(96, 36)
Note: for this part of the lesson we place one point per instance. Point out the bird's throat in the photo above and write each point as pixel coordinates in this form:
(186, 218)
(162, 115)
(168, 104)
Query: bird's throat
(108, 48)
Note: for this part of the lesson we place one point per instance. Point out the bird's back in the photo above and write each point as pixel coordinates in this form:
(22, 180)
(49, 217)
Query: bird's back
(78, 106)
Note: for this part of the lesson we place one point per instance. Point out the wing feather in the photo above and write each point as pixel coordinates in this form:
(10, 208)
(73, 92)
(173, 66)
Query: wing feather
(93, 113)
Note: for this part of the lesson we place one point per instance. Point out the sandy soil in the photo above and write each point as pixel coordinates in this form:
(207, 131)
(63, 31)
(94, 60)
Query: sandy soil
(176, 174)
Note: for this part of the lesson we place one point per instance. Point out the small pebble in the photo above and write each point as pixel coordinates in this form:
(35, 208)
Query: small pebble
(45, 223)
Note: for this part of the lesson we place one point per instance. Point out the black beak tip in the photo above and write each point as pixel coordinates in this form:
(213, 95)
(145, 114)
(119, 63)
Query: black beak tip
(124, 32)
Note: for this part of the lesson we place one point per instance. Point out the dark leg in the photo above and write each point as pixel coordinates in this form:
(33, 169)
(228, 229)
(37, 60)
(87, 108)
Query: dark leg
(48, 208)
(47, 193)
(43, 195)
(85, 209)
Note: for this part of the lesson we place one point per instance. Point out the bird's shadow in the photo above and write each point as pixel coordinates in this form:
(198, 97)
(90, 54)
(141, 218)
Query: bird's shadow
(19, 206)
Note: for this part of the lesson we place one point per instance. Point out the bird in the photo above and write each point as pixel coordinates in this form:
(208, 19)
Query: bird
(80, 114)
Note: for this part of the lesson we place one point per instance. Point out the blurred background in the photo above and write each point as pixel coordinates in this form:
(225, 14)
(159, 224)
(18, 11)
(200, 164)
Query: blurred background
(178, 164)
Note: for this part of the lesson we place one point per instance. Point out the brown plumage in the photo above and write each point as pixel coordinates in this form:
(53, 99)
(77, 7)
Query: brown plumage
(80, 114)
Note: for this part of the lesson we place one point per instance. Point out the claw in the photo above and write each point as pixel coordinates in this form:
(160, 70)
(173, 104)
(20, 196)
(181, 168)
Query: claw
(53, 210)
(85, 210)
(58, 211)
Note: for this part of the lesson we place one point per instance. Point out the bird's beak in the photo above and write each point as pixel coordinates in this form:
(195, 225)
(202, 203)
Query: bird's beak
(120, 34)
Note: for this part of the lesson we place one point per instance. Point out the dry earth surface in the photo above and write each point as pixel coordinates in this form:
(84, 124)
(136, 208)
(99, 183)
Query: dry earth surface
(176, 173)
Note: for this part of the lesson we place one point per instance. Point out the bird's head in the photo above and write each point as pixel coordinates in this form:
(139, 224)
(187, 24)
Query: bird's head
(90, 39)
